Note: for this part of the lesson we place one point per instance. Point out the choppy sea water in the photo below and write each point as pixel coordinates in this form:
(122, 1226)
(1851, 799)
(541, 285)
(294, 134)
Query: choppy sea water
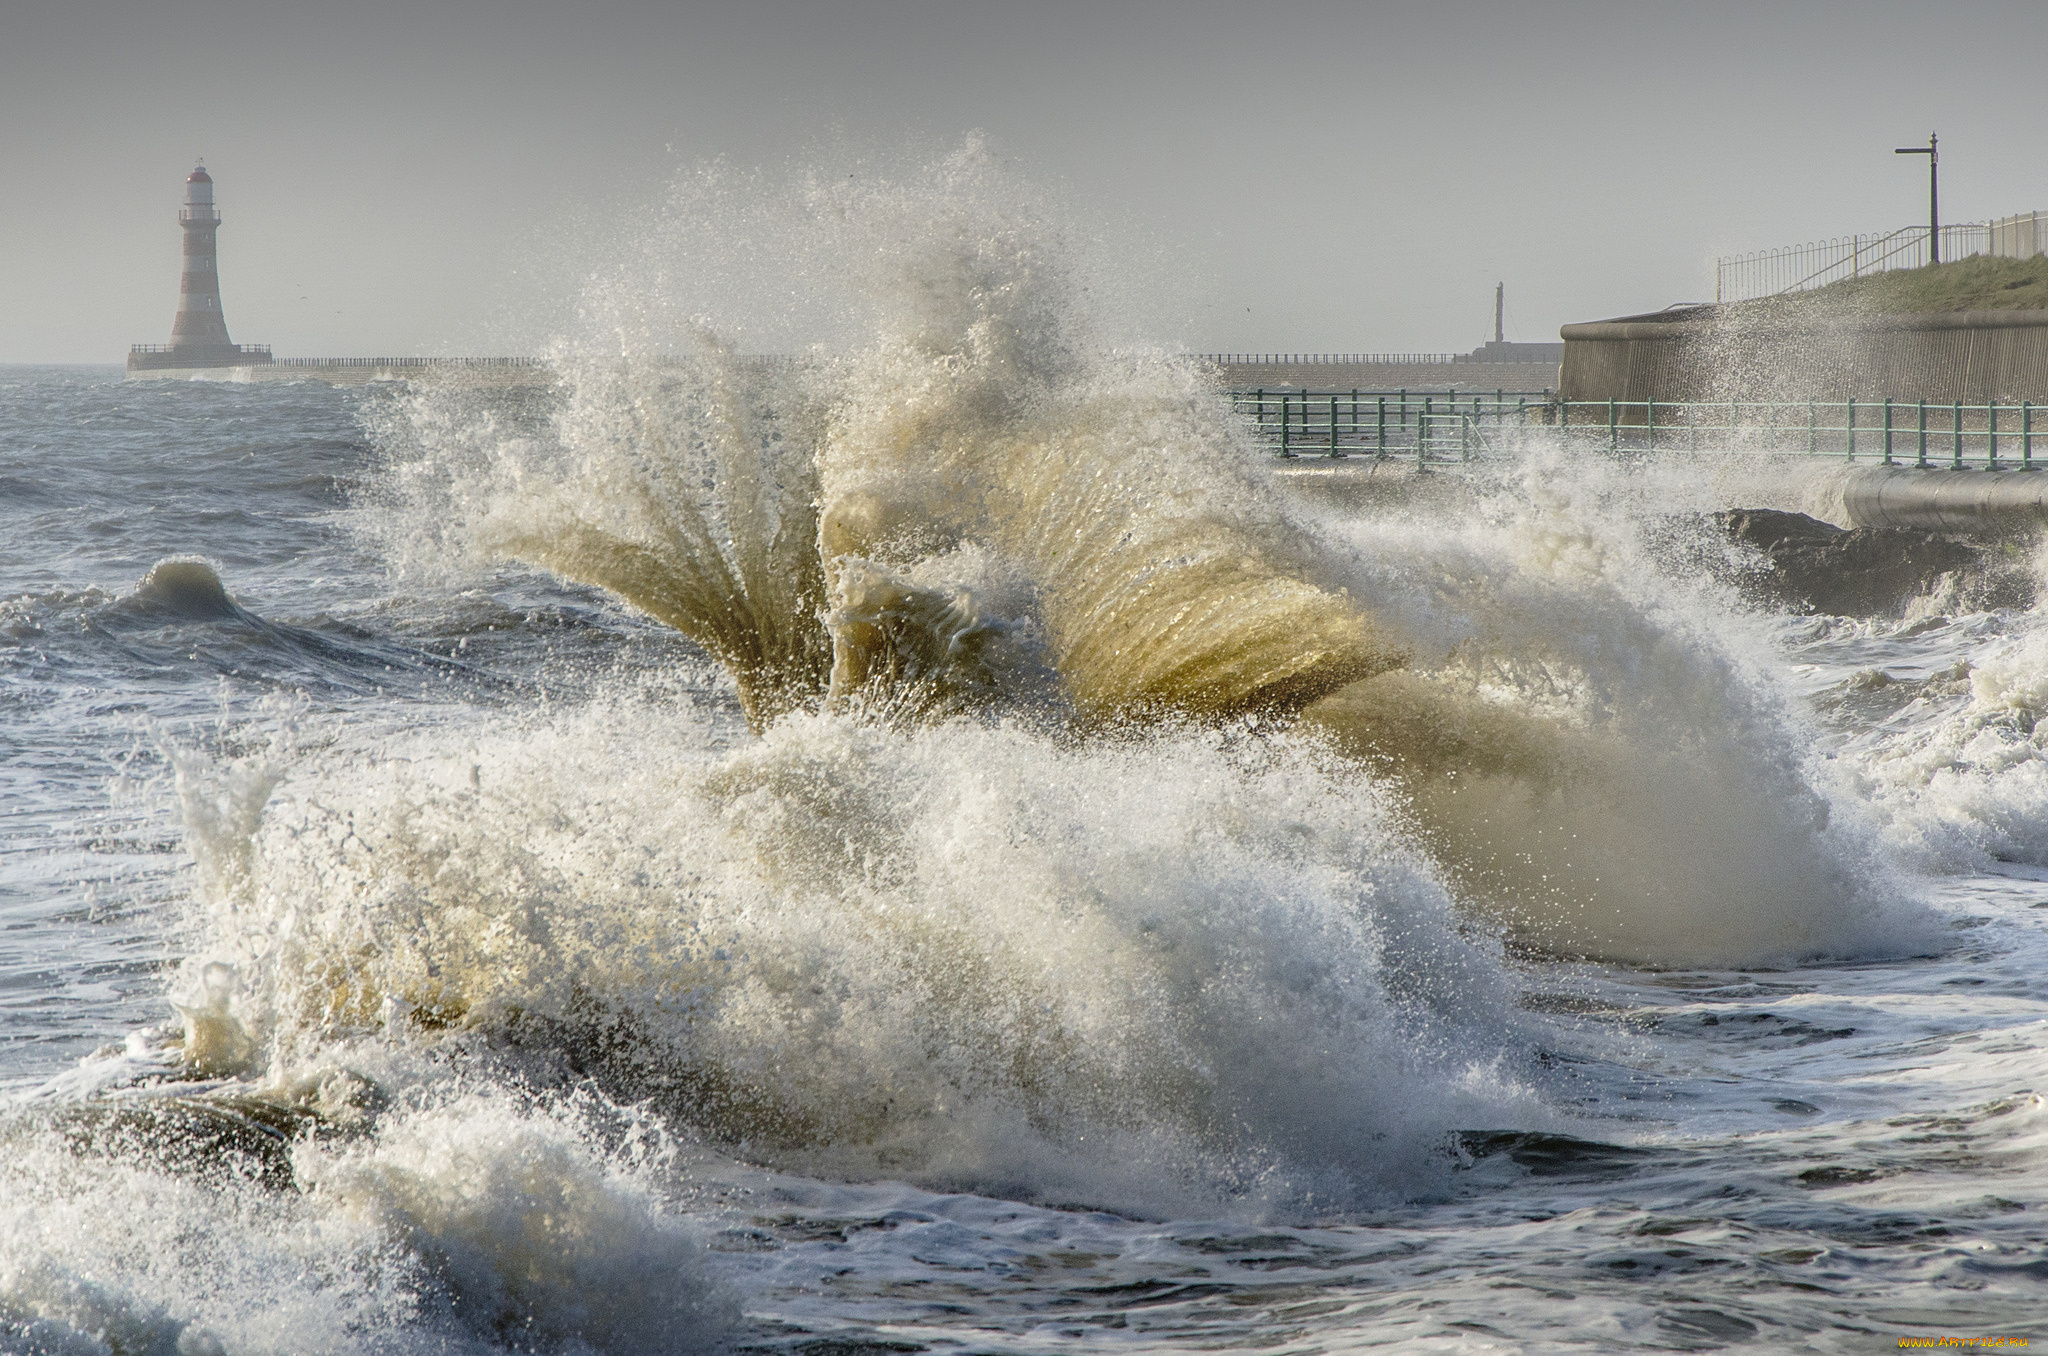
(966, 947)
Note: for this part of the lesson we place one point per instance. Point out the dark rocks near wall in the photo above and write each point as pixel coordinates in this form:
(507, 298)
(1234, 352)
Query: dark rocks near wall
(1812, 566)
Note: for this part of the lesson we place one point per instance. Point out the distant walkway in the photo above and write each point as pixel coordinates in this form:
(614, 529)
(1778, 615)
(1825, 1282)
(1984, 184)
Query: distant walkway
(400, 363)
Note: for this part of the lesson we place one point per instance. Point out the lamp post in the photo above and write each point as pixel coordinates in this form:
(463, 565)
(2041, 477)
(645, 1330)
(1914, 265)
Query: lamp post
(1930, 150)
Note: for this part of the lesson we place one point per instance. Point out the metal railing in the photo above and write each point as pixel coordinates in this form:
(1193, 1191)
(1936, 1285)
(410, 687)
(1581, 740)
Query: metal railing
(1796, 268)
(210, 354)
(1430, 426)
(1920, 433)
(2019, 236)
(1433, 427)
(250, 349)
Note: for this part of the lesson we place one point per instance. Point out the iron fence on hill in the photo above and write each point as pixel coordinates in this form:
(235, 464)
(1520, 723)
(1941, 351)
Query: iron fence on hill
(1799, 268)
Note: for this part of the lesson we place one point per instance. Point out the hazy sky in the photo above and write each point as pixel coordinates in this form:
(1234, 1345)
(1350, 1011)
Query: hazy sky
(426, 177)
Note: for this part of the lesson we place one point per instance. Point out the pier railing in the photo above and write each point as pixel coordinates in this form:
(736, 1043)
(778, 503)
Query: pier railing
(412, 362)
(1428, 426)
(1918, 433)
(259, 352)
(1432, 427)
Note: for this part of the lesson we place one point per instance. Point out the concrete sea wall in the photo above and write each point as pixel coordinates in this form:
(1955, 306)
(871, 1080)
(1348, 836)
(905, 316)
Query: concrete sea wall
(1967, 503)
(1717, 354)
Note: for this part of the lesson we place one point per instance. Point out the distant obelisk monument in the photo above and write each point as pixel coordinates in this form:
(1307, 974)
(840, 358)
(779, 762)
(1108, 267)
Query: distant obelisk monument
(199, 334)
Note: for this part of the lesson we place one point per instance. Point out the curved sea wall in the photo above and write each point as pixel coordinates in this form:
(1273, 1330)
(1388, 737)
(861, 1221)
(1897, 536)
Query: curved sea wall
(1709, 353)
(1966, 503)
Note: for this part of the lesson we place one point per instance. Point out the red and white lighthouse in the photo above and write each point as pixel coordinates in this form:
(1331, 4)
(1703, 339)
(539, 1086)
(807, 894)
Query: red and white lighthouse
(199, 334)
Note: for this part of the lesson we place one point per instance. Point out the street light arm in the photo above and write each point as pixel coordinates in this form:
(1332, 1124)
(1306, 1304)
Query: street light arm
(1932, 152)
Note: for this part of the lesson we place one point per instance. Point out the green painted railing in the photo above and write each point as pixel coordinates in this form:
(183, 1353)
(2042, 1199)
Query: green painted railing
(1456, 425)
(1920, 433)
(1447, 425)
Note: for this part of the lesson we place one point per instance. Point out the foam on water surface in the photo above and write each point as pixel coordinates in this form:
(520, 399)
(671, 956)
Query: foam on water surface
(470, 1223)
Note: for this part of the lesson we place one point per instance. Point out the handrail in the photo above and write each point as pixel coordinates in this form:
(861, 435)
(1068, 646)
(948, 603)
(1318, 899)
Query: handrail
(1761, 273)
(1914, 235)
(1953, 435)
(1950, 435)
(1383, 423)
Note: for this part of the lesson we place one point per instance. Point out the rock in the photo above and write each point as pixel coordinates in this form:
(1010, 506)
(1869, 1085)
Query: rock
(1865, 571)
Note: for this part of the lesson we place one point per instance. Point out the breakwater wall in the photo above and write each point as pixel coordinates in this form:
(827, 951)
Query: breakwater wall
(1709, 354)
(359, 371)
(1275, 372)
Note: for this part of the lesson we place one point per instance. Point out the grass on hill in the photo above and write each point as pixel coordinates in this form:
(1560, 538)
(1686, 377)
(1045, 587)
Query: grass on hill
(1978, 283)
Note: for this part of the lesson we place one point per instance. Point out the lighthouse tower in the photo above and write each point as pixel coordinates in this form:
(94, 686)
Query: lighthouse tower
(199, 335)
(200, 326)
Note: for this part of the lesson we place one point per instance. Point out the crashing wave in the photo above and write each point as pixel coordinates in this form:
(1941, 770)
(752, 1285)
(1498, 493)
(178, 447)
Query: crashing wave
(1110, 829)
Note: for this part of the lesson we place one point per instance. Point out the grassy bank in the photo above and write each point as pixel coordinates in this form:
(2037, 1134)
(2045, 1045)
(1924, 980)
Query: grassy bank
(1979, 283)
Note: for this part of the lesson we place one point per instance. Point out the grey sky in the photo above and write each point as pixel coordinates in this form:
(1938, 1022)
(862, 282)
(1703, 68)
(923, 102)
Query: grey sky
(431, 177)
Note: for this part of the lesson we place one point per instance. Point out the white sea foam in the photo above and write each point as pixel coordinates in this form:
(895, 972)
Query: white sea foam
(1961, 771)
(472, 1224)
(1198, 963)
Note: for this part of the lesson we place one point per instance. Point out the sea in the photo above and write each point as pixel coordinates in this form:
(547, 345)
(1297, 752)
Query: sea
(928, 844)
